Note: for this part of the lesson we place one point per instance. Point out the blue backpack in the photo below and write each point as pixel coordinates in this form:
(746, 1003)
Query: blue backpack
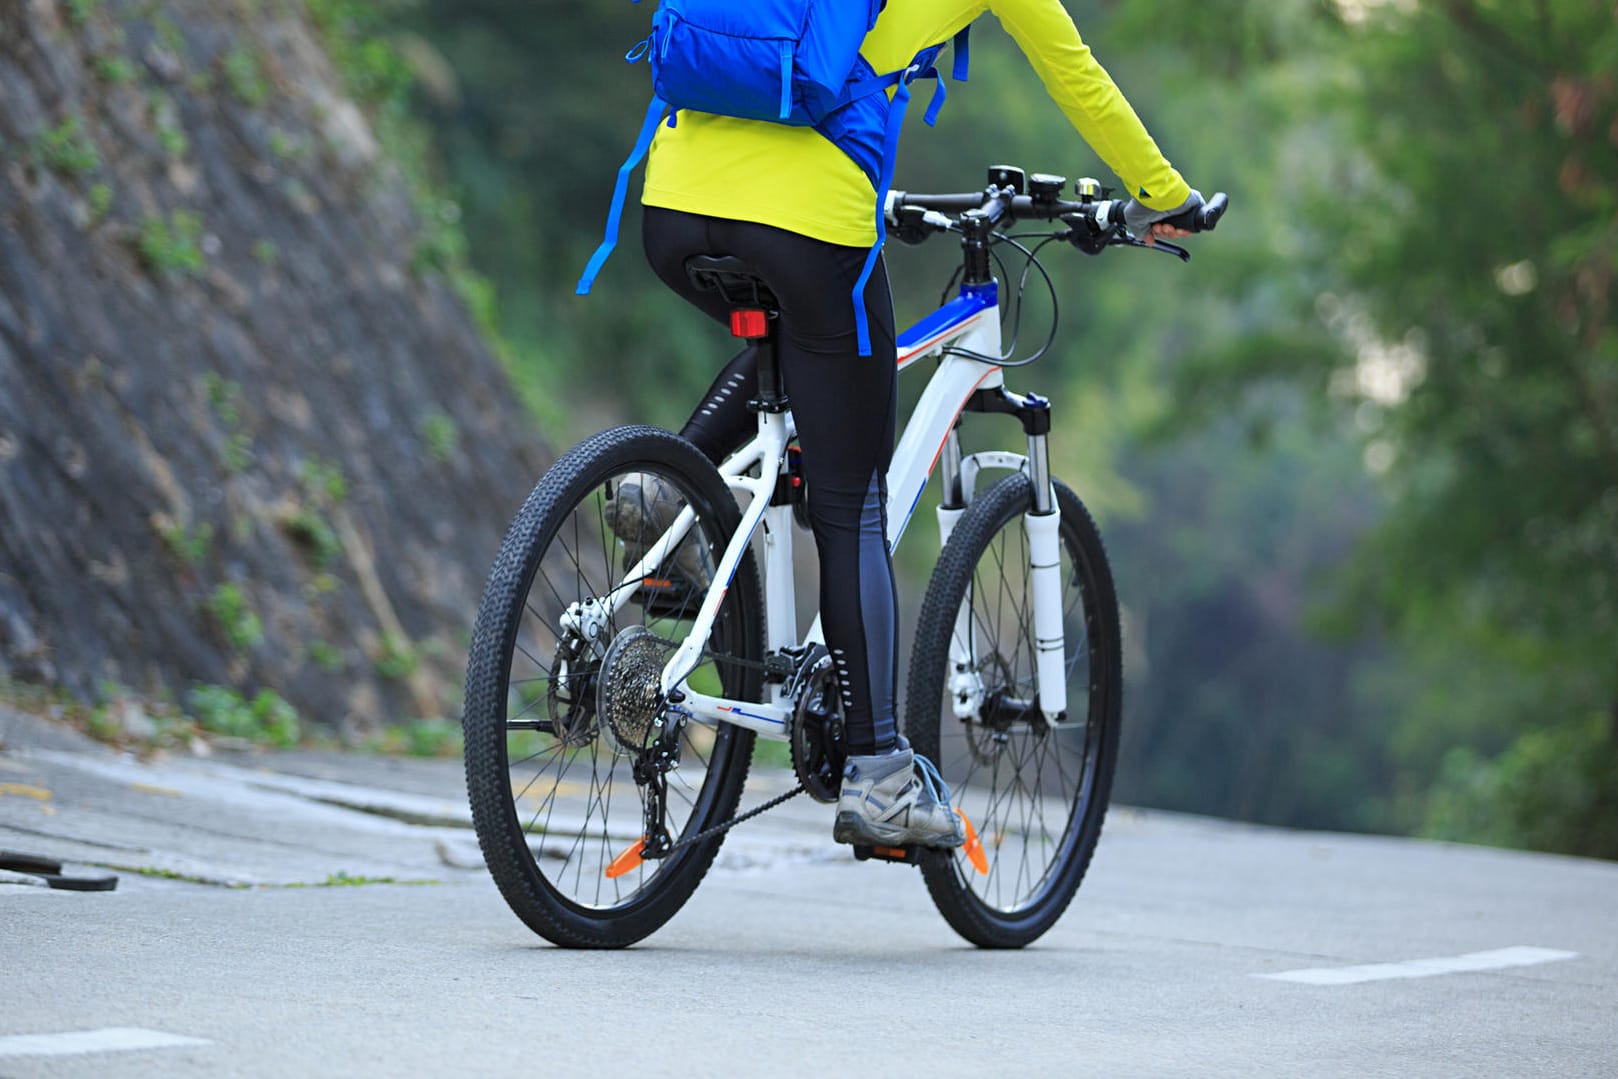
(793, 62)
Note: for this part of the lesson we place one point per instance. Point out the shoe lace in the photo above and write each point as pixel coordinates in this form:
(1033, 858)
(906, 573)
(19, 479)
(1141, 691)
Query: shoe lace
(932, 780)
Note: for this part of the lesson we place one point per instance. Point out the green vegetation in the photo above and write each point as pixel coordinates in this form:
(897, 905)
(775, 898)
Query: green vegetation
(287, 147)
(80, 11)
(267, 719)
(356, 34)
(237, 455)
(245, 77)
(189, 545)
(320, 584)
(768, 753)
(342, 879)
(166, 120)
(158, 873)
(323, 487)
(117, 70)
(266, 253)
(310, 529)
(420, 738)
(325, 655)
(173, 245)
(323, 479)
(67, 148)
(224, 398)
(440, 434)
(169, 34)
(236, 618)
(100, 201)
(396, 656)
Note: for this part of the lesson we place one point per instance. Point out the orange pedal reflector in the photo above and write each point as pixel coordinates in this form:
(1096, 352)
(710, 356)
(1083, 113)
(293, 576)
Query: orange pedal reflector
(630, 858)
(973, 846)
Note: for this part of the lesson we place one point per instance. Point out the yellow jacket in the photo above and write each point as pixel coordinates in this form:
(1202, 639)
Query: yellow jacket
(795, 178)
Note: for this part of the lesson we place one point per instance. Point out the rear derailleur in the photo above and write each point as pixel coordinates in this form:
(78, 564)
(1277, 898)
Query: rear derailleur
(651, 771)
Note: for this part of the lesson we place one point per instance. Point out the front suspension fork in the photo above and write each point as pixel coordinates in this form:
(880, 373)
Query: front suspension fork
(1042, 525)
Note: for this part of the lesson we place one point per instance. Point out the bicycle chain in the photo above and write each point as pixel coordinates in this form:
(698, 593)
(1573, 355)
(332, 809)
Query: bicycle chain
(709, 833)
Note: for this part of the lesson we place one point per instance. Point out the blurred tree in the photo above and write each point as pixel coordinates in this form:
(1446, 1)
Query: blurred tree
(1465, 236)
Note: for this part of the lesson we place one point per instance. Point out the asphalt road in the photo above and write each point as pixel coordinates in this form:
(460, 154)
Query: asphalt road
(791, 959)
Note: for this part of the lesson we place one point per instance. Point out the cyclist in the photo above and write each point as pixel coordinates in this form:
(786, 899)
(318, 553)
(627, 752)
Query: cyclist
(800, 211)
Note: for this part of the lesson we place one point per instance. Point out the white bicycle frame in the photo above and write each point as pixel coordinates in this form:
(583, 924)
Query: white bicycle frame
(971, 322)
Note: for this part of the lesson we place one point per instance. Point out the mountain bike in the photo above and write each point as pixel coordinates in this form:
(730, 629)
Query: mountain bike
(638, 631)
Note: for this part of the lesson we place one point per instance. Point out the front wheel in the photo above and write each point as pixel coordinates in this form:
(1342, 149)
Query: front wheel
(1035, 791)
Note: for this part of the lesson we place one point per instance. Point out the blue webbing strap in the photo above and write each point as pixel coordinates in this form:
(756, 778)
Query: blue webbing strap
(654, 115)
(963, 54)
(866, 87)
(937, 103)
(890, 154)
(786, 81)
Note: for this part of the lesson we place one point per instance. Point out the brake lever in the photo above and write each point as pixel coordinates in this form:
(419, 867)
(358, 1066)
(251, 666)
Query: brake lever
(1161, 245)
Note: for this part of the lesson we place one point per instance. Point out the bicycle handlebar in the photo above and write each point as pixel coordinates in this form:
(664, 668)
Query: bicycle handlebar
(1093, 224)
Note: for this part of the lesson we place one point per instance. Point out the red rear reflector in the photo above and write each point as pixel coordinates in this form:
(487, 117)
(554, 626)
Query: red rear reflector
(750, 323)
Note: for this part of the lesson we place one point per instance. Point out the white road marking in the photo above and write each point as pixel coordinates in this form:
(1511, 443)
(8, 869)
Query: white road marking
(107, 1040)
(1520, 956)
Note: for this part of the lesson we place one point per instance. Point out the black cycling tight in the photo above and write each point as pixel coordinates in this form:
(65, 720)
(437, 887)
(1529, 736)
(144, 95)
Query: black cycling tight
(845, 406)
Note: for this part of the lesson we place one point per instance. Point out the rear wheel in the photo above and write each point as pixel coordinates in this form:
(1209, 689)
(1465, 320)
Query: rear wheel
(552, 785)
(1035, 792)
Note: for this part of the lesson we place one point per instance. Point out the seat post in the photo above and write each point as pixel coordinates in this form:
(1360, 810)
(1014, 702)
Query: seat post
(771, 397)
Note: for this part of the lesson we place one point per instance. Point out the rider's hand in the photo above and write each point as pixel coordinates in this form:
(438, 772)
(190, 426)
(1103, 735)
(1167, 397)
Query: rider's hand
(1150, 225)
(1163, 231)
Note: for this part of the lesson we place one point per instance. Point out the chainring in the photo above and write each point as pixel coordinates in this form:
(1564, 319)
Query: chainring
(629, 696)
(817, 731)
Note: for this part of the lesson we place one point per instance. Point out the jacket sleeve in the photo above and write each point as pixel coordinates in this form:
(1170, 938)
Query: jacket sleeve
(1091, 100)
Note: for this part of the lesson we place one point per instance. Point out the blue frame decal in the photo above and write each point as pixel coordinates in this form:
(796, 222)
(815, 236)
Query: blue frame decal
(750, 715)
(972, 300)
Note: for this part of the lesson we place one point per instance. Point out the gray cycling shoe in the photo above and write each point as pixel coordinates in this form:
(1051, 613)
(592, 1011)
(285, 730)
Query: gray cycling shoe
(896, 799)
(640, 511)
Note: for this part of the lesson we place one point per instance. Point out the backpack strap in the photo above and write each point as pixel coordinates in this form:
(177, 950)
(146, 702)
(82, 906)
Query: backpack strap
(620, 191)
(963, 54)
(900, 81)
(890, 155)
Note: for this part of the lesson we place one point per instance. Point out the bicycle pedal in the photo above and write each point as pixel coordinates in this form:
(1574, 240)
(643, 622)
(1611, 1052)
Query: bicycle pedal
(904, 855)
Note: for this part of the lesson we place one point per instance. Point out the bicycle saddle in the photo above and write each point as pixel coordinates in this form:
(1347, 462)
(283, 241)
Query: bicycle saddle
(732, 278)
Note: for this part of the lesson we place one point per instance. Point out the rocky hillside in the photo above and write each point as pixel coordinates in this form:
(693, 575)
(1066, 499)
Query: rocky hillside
(249, 434)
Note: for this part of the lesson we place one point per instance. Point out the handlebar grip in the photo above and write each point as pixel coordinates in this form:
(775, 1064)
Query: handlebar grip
(1205, 217)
